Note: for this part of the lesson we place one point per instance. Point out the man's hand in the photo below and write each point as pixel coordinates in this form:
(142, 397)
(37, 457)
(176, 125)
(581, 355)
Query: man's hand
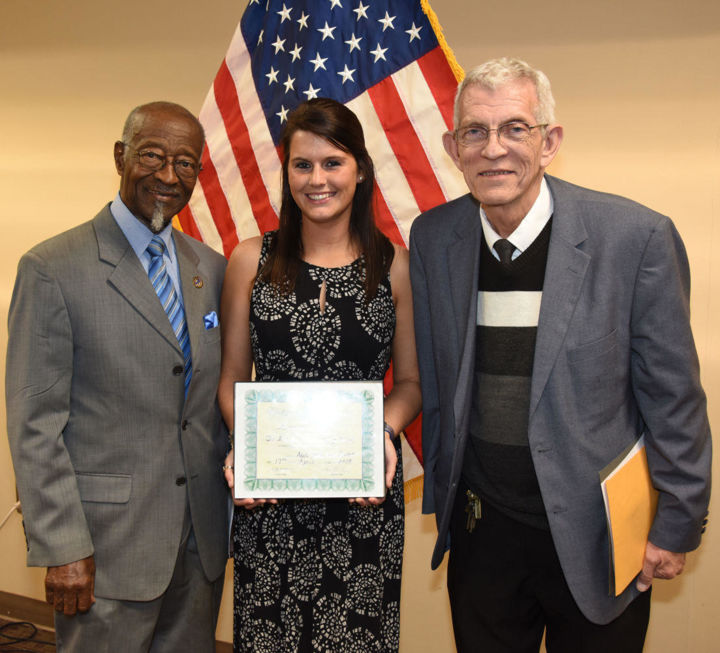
(659, 563)
(71, 588)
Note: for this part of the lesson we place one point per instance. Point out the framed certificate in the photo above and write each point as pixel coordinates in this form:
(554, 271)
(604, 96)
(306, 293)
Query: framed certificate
(319, 439)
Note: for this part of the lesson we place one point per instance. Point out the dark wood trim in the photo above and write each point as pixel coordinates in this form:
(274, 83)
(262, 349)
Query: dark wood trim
(22, 608)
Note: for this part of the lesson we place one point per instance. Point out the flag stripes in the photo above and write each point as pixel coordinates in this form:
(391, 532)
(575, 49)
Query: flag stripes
(402, 91)
(412, 169)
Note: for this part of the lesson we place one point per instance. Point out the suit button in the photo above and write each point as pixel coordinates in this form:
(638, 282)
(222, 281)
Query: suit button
(178, 370)
(180, 480)
(185, 425)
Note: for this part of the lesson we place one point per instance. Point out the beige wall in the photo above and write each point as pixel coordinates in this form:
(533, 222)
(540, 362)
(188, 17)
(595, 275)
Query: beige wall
(637, 89)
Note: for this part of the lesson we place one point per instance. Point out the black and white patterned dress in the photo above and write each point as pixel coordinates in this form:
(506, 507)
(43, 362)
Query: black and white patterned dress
(320, 575)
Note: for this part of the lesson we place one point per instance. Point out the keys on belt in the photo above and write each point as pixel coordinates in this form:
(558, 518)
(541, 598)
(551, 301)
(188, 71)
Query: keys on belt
(473, 510)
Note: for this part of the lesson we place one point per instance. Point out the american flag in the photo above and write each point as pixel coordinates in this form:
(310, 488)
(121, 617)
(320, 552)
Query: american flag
(385, 59)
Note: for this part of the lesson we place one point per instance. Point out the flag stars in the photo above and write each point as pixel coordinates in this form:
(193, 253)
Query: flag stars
(282, 114)
(279, 45)
(318, 62)
(272, 75)
(296, 52)
(284, 14)
(387, 21)
(291, 83)
(354, 42)
(311, 92)
(379, 53)
(361, 11)
(414, 32)
(347, 74)
(327, 31)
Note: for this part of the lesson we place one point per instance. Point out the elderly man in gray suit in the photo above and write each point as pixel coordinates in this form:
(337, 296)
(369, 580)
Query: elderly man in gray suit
(116, 437)
(553, 332)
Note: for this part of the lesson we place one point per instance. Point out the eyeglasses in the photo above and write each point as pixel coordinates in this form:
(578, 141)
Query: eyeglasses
(184, 166)
(510, 133)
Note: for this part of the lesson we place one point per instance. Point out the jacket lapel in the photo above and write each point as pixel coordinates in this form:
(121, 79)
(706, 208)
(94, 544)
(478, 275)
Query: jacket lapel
(463, 260)
(128, 276)
(564, 275)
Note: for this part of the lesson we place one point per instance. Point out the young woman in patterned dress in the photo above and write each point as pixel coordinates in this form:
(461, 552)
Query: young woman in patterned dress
(325, 297)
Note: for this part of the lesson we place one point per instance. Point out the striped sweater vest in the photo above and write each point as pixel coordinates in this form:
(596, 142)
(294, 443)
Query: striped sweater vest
(498, 465)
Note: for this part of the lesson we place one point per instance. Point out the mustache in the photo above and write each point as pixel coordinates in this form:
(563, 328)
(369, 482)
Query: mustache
(162, 188)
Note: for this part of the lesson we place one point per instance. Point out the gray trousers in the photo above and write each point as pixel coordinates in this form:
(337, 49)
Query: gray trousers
(182, 619)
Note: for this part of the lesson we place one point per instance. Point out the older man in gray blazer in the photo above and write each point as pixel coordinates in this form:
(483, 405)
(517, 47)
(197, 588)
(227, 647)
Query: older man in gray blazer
(116, 437)
(552, 327)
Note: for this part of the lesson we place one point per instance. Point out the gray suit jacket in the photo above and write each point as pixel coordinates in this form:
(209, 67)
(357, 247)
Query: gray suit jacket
(108, 453)
(614, 358)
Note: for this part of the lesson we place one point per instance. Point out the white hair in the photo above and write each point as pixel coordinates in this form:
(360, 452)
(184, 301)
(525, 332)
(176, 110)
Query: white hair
(498, 72)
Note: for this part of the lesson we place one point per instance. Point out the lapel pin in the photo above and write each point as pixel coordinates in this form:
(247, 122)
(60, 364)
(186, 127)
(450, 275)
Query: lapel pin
(197, 282)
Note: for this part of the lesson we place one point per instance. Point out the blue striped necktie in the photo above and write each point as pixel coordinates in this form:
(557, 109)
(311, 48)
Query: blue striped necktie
(165, 290)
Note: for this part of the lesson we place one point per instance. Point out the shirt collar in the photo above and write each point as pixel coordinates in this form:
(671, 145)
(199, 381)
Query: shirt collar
(530, 226)
(138, 235)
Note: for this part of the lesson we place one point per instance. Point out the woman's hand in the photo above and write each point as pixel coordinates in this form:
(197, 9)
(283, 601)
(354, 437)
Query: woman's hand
(390, 466)
(248, 504)
(228, 470)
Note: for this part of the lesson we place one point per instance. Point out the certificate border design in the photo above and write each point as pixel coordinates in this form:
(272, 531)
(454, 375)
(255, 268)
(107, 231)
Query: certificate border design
(250, 397)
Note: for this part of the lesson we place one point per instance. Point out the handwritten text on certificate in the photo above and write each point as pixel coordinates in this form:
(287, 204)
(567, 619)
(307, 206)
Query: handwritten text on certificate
(309, 439)
(293, 443)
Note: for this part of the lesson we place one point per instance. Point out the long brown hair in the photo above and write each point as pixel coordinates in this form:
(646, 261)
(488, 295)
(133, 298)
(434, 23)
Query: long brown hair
(338, 125)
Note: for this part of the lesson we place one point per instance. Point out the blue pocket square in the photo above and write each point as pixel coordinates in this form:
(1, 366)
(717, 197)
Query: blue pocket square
(210, 320)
